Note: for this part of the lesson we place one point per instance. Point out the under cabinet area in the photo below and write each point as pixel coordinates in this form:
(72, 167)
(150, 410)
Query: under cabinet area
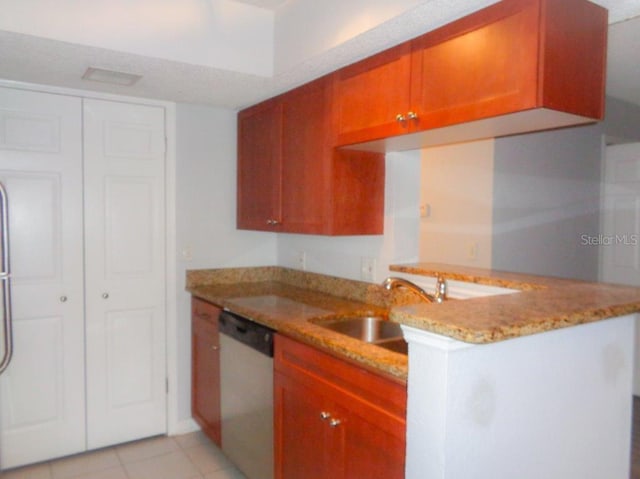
(334, 419)
(205, 368)
(290, 178)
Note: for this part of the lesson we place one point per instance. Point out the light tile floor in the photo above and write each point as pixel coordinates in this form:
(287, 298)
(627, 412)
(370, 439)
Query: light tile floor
(191, 456)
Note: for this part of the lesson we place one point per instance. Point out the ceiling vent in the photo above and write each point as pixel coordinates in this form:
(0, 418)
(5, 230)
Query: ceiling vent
(111, 76)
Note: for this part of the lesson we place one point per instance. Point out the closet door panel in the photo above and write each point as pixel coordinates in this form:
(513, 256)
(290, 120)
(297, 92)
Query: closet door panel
(42, 403)
(125, 242)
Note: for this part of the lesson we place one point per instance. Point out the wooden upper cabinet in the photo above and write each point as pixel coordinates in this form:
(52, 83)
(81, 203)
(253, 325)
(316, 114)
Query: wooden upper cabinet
(511, 57)
(291, 179)
(372, 97)
(484, 65)
(260, 167)
(513, 67)
(305, 171)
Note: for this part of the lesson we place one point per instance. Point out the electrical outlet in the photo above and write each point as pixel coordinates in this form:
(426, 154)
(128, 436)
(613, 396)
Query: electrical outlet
(472, 250)
(368, 269)
(187, 253)
(301, 260)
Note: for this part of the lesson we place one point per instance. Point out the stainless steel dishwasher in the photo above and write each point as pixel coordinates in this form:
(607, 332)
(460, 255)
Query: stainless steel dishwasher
(246, 383)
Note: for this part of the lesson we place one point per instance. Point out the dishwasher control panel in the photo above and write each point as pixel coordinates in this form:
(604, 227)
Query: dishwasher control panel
(247, 331)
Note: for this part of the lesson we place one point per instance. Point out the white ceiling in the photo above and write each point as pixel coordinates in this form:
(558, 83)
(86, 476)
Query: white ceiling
(268, 4)
(35, 59)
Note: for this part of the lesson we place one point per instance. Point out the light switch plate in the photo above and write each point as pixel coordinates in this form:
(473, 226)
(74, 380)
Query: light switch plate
(301, 260)
(368, 269)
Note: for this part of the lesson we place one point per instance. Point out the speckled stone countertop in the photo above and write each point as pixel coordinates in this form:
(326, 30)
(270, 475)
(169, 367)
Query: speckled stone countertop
(542, 304)
(293, 302)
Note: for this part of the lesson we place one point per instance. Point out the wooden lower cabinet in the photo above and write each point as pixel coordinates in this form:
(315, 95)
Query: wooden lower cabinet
(205, 368)
(334, 419)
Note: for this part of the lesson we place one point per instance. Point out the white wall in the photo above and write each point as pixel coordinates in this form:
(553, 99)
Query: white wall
(622, 121)
(342, 256)
(456, 191)
(206, 217)
(546, 195)
(555, 405)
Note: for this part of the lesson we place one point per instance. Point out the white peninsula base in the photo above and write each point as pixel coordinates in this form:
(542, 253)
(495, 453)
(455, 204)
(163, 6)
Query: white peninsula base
(554, 405)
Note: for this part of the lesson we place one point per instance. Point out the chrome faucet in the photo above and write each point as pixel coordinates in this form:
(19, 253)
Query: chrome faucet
(440, 295)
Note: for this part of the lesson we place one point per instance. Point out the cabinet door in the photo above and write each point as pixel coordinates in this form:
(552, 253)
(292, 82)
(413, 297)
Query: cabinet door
(306, 159)
(481, 66)
(300, 442)
(367, 429)
(42, 403)
(370, 95)
(205, 368)
(334, 419)
(125, 263)
(260, 167)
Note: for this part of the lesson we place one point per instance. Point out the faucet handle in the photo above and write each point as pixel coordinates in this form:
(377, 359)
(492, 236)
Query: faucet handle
(441, 289)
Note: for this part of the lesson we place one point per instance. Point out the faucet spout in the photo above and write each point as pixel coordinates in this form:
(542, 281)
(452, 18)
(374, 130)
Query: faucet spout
(441, 288)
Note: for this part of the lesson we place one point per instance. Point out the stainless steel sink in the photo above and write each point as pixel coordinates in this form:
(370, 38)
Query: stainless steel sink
(398, 345)
(370, 329)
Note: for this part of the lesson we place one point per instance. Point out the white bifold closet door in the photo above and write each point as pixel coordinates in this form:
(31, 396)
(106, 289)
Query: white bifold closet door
(85, 180)
(42, 393)
(125, 271)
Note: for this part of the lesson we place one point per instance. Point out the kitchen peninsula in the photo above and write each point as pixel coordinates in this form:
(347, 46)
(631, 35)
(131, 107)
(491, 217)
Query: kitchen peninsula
(530, 384)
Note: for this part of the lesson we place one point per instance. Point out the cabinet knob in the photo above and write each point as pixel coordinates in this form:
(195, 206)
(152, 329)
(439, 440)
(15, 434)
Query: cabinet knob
(214, 347)
(63, 299)
(401, 118)
(412, 115)
(334, 423)
(324, 415)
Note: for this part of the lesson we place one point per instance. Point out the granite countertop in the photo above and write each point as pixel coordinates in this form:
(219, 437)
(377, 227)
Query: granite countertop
(293, 302)
(541, 304)
(296, 310)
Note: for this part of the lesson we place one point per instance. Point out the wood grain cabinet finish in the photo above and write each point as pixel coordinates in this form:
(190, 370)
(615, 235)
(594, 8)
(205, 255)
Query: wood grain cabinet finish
(205, 368)
(334, 419)
(373, 97)
(260, 167)
(514, 56)
(291, 179)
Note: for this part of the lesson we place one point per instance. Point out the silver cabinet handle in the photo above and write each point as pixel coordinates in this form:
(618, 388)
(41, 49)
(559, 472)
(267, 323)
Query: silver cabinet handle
(63, 299)
(412, 115)
(334, 423)
(324, 415)
(105, 295)
(273, 222)
(214, 347)
(401, 118)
